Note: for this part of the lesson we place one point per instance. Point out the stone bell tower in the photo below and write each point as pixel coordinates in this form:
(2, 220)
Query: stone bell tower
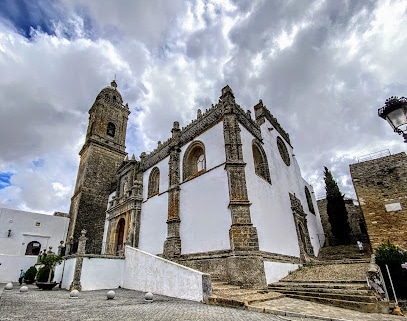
(100, 157)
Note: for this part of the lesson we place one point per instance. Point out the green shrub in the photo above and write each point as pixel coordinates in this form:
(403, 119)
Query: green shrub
(43, 273)
(393, 256)
(388, 253)
(30, 273)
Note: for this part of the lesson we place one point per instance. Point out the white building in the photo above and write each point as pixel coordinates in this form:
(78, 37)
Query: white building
(23, 235)
(224, 195)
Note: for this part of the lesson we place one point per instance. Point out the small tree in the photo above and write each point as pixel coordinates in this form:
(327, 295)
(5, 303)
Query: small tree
(336, 209)
(49, 261)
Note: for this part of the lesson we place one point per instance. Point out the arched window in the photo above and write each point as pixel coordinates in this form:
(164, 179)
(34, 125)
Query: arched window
(261, 167)
(33, 248)
(194, 162)
(154, 182)
(309, 200)
(282, 148)
(111, 129)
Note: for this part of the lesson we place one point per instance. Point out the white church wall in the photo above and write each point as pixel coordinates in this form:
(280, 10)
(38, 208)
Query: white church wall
(285, 179)
(10, 266)
(154, 212)
(277, 270)
(271, 209)
(25, 227)
(205, 217)
(153, 224)
(149, 273)
(64, 273)
(101, 273)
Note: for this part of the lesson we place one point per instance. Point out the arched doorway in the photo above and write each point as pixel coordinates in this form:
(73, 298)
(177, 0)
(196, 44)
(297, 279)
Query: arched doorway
(33, 248)
(120, 234)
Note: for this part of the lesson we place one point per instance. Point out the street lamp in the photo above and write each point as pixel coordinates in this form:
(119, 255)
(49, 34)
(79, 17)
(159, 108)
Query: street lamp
(395, 112)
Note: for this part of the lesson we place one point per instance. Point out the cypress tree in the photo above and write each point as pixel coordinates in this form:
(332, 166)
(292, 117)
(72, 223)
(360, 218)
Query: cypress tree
(336, 209)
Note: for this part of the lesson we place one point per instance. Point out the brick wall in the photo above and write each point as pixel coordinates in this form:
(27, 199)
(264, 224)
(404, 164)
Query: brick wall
(381, 183)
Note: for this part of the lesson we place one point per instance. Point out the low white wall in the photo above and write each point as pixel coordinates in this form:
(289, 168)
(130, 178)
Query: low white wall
(101, 273)
(277, 270)
(149, 273)
(97, 273)
(10, 266)
(67, 267)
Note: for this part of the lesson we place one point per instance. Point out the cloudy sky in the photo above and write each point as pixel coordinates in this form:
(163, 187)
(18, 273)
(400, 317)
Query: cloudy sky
(323, 68)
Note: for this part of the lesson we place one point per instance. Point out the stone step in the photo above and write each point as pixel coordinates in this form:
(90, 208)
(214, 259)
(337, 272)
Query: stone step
(224, 287)
(323, 261)
(344, 272)
(342, 251)
(369, 307)
(327, 295)
(232, 292)
(242, 300)
(333, 282)
(333, 290)
(224, 294)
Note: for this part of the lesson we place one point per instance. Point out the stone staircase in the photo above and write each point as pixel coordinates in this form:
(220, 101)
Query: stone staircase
(355, 295)
(337, 278)
(344, 253)
(224, 294)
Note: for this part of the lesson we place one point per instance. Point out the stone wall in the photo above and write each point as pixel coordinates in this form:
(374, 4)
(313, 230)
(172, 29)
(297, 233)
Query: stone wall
(101, 155)
(355, 219)
(380, 185)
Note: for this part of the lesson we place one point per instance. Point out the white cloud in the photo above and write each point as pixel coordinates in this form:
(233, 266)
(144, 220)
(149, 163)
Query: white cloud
(323, 68)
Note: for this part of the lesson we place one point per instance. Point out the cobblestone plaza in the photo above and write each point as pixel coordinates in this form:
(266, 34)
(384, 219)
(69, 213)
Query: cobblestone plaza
(130, 305)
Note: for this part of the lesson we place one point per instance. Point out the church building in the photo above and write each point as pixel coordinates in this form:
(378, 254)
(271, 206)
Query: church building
(223, 195)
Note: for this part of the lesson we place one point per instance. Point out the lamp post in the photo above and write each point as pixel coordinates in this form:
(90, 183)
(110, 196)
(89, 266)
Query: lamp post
(395, 112)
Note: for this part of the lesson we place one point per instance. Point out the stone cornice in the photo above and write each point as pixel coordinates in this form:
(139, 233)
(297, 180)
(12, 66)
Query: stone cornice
(262, 112)
(202, 123)
(276, 257)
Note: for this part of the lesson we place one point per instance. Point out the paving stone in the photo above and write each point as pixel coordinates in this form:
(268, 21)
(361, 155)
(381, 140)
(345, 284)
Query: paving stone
(39, 305)
(311, 310)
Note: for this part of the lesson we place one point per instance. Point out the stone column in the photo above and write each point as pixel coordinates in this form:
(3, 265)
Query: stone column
(245, 266)
(172, 245)
(138, 192)
(76, 282)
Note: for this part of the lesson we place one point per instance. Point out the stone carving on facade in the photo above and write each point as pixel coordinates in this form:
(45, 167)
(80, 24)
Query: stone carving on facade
(304, 241)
